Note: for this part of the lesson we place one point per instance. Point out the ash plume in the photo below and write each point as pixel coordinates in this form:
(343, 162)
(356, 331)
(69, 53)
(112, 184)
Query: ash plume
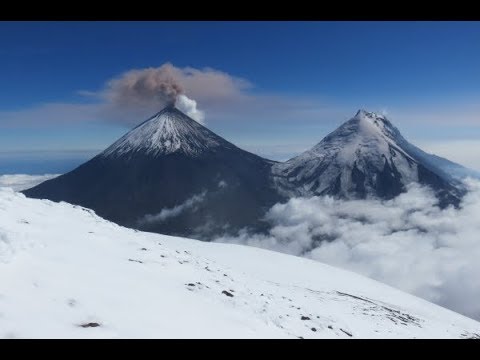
(146, 87)
(144, 91)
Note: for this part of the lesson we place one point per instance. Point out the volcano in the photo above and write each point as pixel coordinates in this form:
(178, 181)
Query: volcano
(367, 157)
(170, 175)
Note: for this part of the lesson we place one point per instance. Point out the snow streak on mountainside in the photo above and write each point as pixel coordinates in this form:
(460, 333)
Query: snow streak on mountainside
(366, 156)
(65, 272)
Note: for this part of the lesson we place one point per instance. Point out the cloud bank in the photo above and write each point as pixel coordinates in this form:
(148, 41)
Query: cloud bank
(19, 182)
(407, 242)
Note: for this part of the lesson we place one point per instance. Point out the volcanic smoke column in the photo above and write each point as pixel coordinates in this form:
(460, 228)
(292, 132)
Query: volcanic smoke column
(152, 87)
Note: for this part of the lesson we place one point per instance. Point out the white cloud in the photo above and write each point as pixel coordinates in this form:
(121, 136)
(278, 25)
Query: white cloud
(407, 242)
(168, 213)
(19, 182)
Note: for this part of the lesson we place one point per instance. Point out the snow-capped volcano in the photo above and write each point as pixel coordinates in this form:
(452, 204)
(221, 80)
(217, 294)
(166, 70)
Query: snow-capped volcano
(169, 131)
(170, 175)
(366, 156)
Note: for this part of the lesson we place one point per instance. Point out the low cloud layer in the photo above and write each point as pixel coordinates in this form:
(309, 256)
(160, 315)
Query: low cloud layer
(19, 182)
(407, 242)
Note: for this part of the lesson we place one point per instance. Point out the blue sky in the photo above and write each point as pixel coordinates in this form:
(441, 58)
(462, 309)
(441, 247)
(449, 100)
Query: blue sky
(302, 80)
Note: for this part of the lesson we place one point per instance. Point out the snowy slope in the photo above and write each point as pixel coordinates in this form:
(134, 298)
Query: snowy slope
(65, 272)
(366, 156)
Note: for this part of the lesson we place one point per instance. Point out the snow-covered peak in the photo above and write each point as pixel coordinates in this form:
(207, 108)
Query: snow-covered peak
(366, 155)
(368, 124)
(168, 131)
(366, 134)
(364, 114)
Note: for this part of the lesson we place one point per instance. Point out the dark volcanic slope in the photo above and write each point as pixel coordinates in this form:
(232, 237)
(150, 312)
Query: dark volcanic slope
(367, 157)
(170, 175)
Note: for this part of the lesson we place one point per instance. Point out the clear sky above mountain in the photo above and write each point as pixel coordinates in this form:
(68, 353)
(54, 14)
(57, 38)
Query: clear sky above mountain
(300, 81)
